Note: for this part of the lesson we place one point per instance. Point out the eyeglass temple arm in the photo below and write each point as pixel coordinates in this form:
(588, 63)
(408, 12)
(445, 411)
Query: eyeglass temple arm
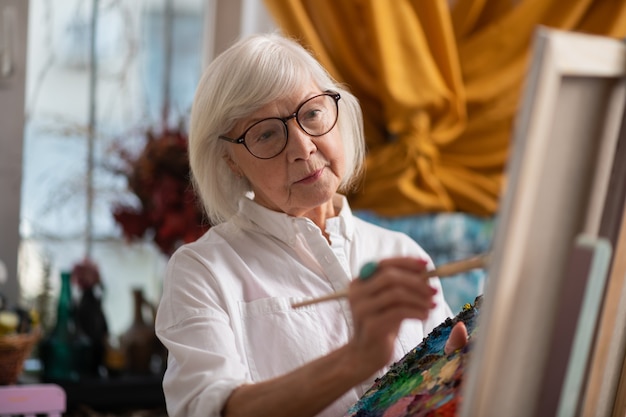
(240, 140)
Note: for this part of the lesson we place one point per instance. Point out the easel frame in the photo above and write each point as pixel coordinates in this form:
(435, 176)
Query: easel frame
(565, 181)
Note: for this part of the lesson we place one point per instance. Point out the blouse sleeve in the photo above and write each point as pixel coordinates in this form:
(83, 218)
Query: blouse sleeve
(204, 365)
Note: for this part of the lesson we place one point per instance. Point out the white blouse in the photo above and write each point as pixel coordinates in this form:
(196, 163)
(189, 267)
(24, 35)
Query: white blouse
(225, 315)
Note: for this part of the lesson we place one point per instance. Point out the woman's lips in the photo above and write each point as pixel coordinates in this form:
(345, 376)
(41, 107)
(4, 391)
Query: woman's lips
(314, 176)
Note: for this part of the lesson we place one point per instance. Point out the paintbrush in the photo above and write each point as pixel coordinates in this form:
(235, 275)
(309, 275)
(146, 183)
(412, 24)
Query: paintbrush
(444, 270)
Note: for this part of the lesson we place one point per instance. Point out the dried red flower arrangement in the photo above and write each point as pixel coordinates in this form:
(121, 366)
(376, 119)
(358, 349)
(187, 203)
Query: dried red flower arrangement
(160, 178)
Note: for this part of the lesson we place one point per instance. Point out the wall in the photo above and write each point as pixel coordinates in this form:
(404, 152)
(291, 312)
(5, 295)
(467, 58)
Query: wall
(13, 38)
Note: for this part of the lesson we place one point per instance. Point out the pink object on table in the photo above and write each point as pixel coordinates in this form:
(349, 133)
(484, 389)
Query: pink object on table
(32, 399)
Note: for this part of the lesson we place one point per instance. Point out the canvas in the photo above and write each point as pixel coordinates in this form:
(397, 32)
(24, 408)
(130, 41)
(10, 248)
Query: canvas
(565, 186)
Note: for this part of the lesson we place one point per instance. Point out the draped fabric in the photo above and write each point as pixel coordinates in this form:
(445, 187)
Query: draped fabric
(439, 83)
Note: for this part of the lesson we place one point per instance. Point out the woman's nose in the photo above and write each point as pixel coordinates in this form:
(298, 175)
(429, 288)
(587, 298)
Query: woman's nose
(300, 145)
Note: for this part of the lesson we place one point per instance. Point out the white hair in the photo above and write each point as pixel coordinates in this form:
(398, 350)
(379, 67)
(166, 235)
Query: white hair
(255, 71)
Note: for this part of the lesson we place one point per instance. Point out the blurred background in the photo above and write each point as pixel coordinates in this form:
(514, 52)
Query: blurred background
(95, 99)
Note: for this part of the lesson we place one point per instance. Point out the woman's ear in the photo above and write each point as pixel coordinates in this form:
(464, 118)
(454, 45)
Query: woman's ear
(233, 166)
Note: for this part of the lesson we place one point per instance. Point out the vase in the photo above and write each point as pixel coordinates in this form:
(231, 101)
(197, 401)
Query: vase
(66, 353)
(139, 342)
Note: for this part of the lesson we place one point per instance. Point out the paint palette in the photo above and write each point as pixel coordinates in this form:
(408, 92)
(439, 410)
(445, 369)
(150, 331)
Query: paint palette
(425, 382)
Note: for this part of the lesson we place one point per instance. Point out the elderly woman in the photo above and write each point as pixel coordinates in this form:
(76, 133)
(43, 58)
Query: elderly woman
(273, 141)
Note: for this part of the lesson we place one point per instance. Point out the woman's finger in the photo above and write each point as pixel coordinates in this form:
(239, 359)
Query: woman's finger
(394, 278)
(457, 339)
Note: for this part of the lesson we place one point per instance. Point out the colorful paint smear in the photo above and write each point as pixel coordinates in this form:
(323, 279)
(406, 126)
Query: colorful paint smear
(426, 382)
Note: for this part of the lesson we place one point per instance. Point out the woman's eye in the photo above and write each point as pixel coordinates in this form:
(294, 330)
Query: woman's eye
(312, 114)
(264, 135)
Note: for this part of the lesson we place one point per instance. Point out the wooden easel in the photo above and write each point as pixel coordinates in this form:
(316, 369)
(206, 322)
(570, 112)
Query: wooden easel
(605, 393)
(552, 325)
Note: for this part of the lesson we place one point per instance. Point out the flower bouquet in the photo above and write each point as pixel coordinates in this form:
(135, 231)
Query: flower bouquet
(160, 178)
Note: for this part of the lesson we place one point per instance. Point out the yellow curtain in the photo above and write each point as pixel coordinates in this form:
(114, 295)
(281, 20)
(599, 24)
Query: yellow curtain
(439, 82)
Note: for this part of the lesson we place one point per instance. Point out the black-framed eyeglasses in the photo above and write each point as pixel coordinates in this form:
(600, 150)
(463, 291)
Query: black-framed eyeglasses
(267, 138)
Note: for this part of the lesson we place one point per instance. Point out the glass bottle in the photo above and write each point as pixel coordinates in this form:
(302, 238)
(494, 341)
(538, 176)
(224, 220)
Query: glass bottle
(92, 322)
(139, 341)
(65, 352)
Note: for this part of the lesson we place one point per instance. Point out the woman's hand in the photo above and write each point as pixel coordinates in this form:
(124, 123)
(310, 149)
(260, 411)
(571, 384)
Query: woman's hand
(380, 303)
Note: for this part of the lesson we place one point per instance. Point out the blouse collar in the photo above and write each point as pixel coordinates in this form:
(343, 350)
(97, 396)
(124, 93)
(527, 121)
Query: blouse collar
(285, 227)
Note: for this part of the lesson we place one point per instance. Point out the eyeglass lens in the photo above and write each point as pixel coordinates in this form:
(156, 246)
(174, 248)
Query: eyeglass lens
(268, 137)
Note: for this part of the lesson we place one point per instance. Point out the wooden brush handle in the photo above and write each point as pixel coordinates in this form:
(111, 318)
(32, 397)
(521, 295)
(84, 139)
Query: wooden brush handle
(444, 270)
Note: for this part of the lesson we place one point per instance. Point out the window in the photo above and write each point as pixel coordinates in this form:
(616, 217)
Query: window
(128, 100)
